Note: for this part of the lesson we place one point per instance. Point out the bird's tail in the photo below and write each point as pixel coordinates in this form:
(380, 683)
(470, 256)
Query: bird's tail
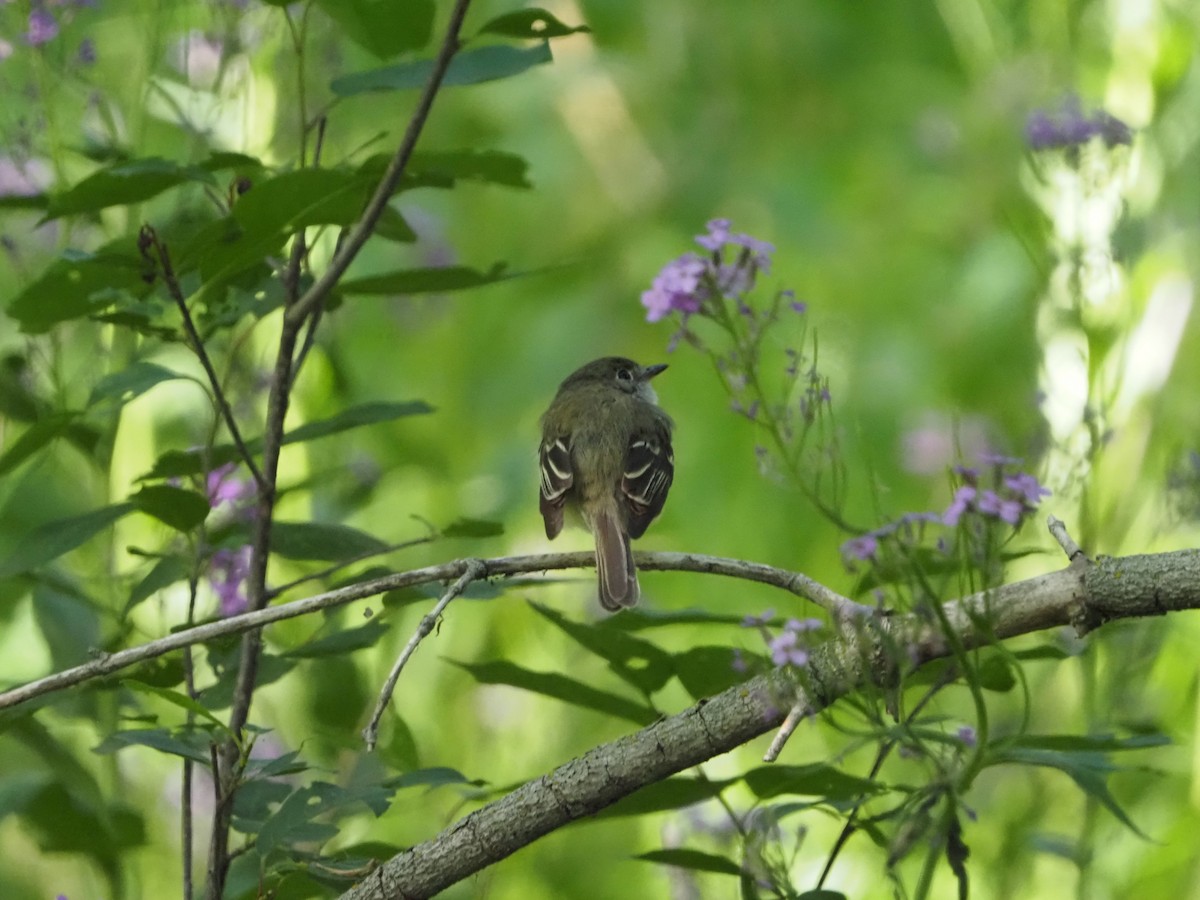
(614, 564)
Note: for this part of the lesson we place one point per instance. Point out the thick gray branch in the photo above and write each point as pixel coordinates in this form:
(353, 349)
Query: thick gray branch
(1084, 594)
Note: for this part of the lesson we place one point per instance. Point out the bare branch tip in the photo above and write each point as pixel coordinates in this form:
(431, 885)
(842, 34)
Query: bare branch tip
(1059, 531)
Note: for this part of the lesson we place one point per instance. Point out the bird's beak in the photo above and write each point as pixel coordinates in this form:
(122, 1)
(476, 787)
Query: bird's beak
(650, 371)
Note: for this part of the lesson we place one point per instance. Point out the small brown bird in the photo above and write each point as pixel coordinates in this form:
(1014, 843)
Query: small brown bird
(606, 448)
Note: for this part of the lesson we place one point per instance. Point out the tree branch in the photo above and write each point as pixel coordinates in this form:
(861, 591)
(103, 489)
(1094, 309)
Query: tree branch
(1085, 597)
(497, 567)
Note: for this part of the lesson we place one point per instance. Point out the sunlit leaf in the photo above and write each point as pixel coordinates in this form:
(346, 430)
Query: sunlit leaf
(76, 285)
(50, 541)
(472, 528)
(354, 417)
(33, 439)
(468, 67)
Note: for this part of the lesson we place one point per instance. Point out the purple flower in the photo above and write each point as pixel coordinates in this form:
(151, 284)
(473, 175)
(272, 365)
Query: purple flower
(755, 252)
(967, 735)
(963, 498)
(223, 487)
(761, 619)
(988, 503)
(227, 573)
(717, 237)
(863, 548)
(802, 625)
(785, 650)
(739, 664)
(676, 288)
(1027, 488)
(1070, 127)
(1011, 511)
(42, 28)
(87, 52)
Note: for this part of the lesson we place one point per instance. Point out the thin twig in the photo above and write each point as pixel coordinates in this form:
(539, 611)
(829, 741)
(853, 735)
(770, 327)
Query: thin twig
(149, 238)
(1059, 531)
(395, 171)
(107, 663)
(475, 569)
(337, 567)
(795, 716)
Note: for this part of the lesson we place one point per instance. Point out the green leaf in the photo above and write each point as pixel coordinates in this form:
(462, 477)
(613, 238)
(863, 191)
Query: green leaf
(166, 572)
(472, 528)
(76, 285)
(490, 166)
(433, 777)
(1085, 743)
(190, 744)
(640, 618)
(815, 779)
(530, 23)
(341, 642)
(384, 28)
(69, 622)
(322, 542)
(695, 860)
(705, 671)
(293, 822)
(671, 793)
(354, 417)
(126, 182)
(183, 701)
(425, 281)
(180, 463)
(50, 541)
(182, 509)
(130, 382)
(34, 439)
(560, 687)
(643, 664)
(470, 67)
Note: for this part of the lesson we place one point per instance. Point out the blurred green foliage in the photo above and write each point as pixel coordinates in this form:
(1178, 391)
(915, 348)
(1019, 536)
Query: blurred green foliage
(880, 147)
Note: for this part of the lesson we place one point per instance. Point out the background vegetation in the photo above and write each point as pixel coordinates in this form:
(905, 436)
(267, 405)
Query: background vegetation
(973, 288)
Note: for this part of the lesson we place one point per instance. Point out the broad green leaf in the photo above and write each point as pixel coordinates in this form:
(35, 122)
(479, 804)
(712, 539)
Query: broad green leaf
(76, 285)
(322, 542)
(50, 541)
(126, 182)
(69, 622)
(490, 166)
(560, 687)
(130, 382)
(167, 571)
(530, 23)
(289, 763)
(815, 779)
(469, 67)
(640, 618)
(433, 777)
(183, 701)
(821, 894)
(643, 664)
(59, 821)
(696, 860)
(340, 642)
(354, 417)
(383, 28)
(425, 281)
(472, 528)
(34, 438)
(180, 463)
(398, 750)
(293, 822)
(190, 744)
(670, 793)
(1085, 743)
(706, 671)
(182, 509)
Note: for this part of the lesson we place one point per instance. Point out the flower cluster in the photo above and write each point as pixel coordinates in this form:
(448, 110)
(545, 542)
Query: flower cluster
(1070, 127)
(228, 568)
(997, 493)
(728, 271)
(789, 647)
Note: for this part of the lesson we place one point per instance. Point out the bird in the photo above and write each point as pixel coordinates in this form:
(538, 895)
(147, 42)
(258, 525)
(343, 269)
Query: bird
(606, 452)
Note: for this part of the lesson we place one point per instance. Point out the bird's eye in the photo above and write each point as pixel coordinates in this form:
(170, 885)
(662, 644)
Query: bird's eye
(625, 375)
